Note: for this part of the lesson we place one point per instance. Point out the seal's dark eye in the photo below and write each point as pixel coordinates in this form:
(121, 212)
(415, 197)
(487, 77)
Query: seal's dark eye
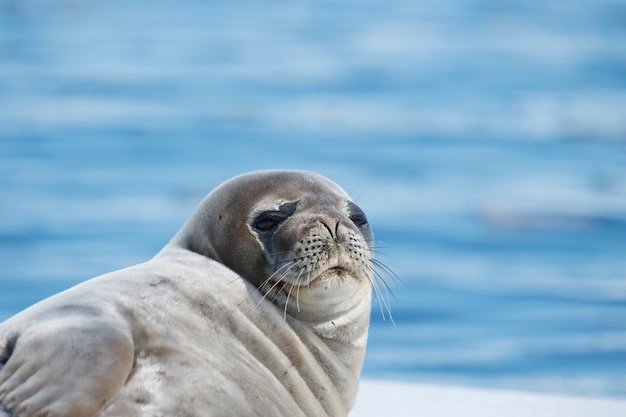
(356, 215)
(265, 224)
(359, 220)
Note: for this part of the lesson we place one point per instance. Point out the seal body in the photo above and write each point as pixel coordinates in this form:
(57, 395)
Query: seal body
(259, 306)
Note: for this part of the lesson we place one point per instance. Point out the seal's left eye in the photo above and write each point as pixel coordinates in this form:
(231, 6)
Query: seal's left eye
(265, 224)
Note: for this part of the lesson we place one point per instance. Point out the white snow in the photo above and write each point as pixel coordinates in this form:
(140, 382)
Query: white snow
(400, 399)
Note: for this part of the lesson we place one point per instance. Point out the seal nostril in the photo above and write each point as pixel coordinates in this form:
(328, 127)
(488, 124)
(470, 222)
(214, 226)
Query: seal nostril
(330, 232)
(333, 232)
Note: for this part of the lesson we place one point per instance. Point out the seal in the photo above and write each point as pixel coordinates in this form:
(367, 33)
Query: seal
(258, 306)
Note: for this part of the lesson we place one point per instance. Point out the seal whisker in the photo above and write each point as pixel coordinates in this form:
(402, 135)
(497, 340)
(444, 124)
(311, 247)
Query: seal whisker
(375, 286)
(283, 270)
(384, 303)
(298, 280)
(382, 295)
(232, 281)
(282, 263)
(265, 294)
(287, 302)
(282, 252)
(387, 271)
(380, 276)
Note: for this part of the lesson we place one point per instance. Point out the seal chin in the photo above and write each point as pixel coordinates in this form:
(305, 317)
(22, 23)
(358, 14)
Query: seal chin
(335, 278)
(331, 288)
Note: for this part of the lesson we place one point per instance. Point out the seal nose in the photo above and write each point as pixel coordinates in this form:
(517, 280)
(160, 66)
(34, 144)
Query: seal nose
(333, 229)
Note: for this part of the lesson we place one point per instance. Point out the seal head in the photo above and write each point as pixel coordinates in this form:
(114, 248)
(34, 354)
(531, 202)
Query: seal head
(295, 235)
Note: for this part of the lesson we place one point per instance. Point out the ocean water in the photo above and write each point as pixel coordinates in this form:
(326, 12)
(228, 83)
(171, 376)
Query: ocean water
(486, 141)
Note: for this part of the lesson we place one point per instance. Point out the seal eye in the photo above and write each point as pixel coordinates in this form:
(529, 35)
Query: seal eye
(356, 215)
(359, 219)
(266, 224)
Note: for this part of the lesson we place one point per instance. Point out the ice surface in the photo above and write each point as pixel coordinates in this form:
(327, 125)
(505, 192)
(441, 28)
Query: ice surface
(400, 399)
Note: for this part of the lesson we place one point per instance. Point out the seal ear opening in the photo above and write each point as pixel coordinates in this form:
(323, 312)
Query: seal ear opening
(6, 349)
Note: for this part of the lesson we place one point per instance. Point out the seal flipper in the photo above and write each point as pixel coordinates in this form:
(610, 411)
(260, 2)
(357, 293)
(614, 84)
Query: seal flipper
(63, 365)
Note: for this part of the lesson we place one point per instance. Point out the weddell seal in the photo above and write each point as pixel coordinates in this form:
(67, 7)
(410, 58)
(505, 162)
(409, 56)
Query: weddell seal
(259, 306)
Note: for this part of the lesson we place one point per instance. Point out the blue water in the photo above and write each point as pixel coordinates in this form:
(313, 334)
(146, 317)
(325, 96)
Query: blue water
(486, 140)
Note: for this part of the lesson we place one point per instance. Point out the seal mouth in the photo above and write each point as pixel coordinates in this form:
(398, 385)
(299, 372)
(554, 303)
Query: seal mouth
(327, 288)
(338, 270)
(330, 277)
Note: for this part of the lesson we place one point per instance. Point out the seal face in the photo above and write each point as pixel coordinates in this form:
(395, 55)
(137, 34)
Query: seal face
(317, 257)
(305, 239)
(259, 305)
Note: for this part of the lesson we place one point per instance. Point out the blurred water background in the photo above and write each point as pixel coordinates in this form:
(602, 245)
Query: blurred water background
(485, 139)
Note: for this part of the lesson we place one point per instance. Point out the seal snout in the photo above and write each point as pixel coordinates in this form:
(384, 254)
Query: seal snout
(334, 229)
(332, 225)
